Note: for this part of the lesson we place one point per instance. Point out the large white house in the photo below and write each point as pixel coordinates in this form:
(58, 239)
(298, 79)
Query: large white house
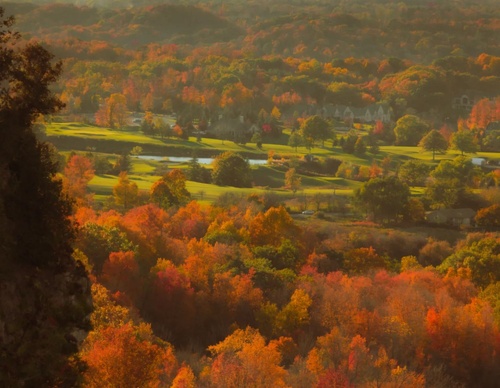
(369, 114)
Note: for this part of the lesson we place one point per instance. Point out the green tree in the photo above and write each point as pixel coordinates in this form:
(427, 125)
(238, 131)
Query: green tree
(491, 141)
(479, 254)
(434, 142)
(450, 182)
(37, 270)
(315, 128)
(414, 172)
(374, 149)
(125, 192)
(464, 142)
(345, 94)
(295, 140)
(492, 295)
(162, 128)
(257, 139)
(383, 198)
(170, 190)
(102, 165)
(97, 242)
(230, 169)
(137, 150)
(409, 130)
(197, 173)
(349, 143)
(360, 146)
(122, 164)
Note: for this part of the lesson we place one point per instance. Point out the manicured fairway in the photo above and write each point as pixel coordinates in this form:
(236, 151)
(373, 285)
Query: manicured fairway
(85, 137)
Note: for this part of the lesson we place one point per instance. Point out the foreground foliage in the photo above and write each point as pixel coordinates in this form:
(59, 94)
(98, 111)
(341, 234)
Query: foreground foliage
(282, 304)
(45, 294)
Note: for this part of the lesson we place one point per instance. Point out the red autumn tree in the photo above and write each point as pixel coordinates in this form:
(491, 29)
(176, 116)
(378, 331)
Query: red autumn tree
(121, 273)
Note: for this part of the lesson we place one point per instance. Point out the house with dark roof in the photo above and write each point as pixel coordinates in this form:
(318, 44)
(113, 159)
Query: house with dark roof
(369, 114)
(455, 217)
(232, 129)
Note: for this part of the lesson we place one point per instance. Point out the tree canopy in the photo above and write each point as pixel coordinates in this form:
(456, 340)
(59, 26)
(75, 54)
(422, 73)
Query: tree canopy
(414, 172)
(450, 182)
(464, 141)
(315, 128)
(36, 233)
(434, 142)
(170, 190)
(383, 198)
(409, 130)
(230, 169)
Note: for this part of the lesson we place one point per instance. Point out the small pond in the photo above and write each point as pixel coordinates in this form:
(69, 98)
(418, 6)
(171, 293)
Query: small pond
(183, 159)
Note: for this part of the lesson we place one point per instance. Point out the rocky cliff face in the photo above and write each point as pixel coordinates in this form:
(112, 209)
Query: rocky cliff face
(44, 316)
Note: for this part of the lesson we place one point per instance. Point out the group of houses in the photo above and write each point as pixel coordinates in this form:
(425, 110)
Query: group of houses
(233, 127)
(370, 114)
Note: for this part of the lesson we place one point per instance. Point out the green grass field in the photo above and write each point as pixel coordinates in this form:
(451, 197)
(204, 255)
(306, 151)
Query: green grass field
(84, 137)
(86, 131)
(266, 179)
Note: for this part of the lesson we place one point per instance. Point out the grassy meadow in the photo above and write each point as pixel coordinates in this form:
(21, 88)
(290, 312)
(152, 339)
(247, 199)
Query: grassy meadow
(80, 137)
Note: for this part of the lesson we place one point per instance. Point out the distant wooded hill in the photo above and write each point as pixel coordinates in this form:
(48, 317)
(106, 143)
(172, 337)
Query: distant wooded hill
(127, 27)
(419, 31)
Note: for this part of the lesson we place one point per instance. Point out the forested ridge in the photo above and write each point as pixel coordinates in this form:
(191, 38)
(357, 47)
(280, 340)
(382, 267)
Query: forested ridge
(198, 60)
(324, 268)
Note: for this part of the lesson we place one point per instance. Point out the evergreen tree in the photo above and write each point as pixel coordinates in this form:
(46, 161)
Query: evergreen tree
(122, 164)
(359, 146)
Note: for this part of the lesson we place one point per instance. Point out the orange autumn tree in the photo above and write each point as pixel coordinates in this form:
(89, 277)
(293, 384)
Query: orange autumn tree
(78, 172)
(112, 112)
(147, 226)
(236, 297)
(125, 192)
(121, 351)
(190, 221)
(272, 227)
(466, 340)
(185, 378)
(483, 112)
(125, 357)
(244, 360)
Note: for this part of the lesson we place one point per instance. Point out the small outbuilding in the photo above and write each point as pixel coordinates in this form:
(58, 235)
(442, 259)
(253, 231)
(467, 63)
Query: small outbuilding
(478, 161)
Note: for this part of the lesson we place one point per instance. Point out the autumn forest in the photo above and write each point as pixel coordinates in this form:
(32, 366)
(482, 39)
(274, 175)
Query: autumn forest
(333, 219)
